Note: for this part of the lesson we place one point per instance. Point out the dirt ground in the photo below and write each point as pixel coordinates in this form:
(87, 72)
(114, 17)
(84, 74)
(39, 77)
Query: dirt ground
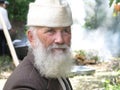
(3, 78)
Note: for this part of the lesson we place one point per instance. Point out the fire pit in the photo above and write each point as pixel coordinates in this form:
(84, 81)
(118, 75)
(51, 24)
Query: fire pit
(82, 70)
(21, 48)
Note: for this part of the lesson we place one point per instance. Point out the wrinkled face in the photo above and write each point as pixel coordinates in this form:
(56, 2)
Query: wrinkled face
(50, 36)
(51, 50)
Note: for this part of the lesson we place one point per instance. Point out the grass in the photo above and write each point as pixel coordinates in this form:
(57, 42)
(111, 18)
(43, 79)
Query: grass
(6, 65)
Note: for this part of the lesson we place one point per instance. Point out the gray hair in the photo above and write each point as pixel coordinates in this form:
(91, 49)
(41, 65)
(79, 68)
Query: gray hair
(32, 29)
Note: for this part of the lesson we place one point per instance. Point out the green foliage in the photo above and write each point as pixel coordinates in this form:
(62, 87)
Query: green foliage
(4, 60)
(96, 19)
(18, 9)
(109, 86)
(6, 63)
(111, 2)
(91, 23)
(81, 52)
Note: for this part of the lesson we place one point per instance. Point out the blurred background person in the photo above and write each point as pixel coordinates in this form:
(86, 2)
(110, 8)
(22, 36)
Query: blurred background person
(4, 13)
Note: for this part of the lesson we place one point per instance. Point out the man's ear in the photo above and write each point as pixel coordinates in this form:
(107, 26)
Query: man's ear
(30, 37)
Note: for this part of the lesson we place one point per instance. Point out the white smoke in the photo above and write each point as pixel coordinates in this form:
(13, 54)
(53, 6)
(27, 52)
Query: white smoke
(102, 39)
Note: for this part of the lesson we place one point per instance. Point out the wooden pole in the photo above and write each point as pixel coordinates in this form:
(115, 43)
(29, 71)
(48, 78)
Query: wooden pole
(9, 41)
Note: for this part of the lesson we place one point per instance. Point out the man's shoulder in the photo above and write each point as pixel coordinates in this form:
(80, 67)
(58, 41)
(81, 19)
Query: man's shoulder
(25, 69)
(26, 75)
(3, 9)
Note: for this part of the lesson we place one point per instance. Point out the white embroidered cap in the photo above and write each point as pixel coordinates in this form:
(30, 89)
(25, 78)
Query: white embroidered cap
(51, 13)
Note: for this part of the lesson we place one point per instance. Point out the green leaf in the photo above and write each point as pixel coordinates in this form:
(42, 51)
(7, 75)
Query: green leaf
(111, 2)
(117, 1)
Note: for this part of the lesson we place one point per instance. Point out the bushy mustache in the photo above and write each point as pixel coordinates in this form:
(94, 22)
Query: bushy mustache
(64, 46)
(59, 46)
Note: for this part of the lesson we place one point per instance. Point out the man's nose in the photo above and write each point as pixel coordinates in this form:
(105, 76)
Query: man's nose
(59, 39)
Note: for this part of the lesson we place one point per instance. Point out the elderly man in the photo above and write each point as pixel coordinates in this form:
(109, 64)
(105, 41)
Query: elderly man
(49, 60)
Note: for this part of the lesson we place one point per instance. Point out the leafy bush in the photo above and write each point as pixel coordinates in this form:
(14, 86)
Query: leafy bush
(18, 9)
(6, 63)
(112, 84)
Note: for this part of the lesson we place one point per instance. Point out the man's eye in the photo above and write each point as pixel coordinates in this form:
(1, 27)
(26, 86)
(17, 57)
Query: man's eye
(67, 30)
(50, 31)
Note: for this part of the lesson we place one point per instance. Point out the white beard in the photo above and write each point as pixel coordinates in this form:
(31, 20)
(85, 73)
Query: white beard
(50, 64)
